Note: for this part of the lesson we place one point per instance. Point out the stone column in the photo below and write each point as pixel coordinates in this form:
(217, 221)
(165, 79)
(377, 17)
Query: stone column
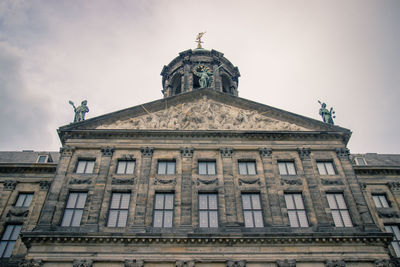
(186, 188)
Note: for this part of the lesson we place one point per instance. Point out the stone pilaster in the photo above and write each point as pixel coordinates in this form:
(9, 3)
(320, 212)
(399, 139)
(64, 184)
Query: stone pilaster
(186, 187)
(229, 187)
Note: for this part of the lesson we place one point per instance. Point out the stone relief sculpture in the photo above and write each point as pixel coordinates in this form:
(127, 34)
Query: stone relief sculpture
(204, 114)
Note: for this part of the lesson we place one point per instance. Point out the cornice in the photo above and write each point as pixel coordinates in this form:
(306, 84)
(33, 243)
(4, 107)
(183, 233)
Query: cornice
(28, 167)
(377, 170)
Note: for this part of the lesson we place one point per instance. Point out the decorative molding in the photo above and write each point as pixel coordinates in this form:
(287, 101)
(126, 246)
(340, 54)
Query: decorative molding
(232, 263)
(187, 152)
(331, 182)
(304, 153)
(107, 151)
(363, 186)
(226, 152)
(119, 181)
(291, 181)
(395, 186)
(44, 185)
(368, 170)
(249, 181)
(147, 152)
(9, 185)
(66, 151)
(82, 263)
(383, 263)
(207, 182)
(18, 212)
(387, 213)
(31, 263)
(162, 181)
(185, 263)
(128, 157)
(265, 152)
(80, 181)
(286, 263)
(133, 263)
(335, 263)
(343, 152)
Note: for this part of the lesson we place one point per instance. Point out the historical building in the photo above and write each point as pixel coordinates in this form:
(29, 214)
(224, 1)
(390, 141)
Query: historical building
(201, 177)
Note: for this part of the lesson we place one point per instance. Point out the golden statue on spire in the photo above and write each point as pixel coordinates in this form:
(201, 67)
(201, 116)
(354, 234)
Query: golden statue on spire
(198, 39)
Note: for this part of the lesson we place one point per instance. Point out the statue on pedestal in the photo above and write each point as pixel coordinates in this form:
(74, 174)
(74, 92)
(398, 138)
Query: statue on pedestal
(327, 115)
(80, 111)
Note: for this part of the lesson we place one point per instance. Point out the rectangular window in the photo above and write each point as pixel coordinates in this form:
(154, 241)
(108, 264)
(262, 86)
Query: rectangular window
(252, 210)
(339, 210)
(85, 166)
(296, 211)
(207, 167)
(396, 240)
(326, 168)
(361, 162)
(42, 159)
(74, 209)
(24, 200)
(163, 210)
(10, 236)
(126, 166)
(118, 212)
(286, 168)
(166, 167)
(247, 167)
(208, 210)
(380, 201)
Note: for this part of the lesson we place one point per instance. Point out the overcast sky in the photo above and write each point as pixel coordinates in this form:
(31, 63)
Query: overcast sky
(290, 54)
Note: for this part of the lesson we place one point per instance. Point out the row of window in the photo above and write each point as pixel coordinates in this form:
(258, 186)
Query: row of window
(205, 167)
(208, 210)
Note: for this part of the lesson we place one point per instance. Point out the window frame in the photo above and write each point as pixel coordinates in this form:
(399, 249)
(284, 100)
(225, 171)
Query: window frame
(46, 158)
(326, 170)
(296, 209)
(86, 163)
(378, 198)
(163, 210)
(206, 162)
(166, 161)
(74, 209)
(252, 210)
(247, 162)
(126, 166)
(23, 203)
(357, 160)
(341, 211)
(285, 162)
(9, 241)
(208, 210)
(396, 238)
(119, 209)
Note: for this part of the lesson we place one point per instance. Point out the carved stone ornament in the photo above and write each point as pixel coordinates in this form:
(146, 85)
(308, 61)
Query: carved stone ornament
(134, 263)
(207, 182)
(9, 185)
(184, 263)
(363, 186)
(31, 263)
(204, 114)
(82, 263)
(249, 181)
(331, 182)
(343, 152)
(387, 213)
(286, 263)
(232, 263)
(80, 181)
(67, 151)
(304, 153)
(291, 181)
(387, 263)
(187, 152)
(18, 212)
(265, 152)
(162, 181)
(44, 185)
(128, 157)
(107, 151)
(147, 151)
(122, 181)
(394, 185)
(333, 263)
(226, 152)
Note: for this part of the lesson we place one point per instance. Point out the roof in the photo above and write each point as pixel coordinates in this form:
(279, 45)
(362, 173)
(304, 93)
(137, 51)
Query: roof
(28, 156)
(375, 159)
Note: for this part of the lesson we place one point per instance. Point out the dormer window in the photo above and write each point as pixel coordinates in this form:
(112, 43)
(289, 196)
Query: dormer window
(42, 159)
(360, 161)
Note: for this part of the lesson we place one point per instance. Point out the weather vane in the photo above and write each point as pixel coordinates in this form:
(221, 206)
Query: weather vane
(198, 39)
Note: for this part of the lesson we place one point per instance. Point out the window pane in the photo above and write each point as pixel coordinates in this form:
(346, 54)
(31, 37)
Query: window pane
(212, 201)
(42, 159)
(291, 168)
(337, 219)
(3, 245)
(130, 168)
(28, 200)
(116, 198)
(67, 218)
(123, 216)
(81, 201)
(89, 166)
(258, 221)
(331, 201)
(251, 168)
(158, 217)
(248, 219)
(302, 218)
(168, 219)
(242, 168)
(76, 219)
(282, 168)
(121, 167)
(293, 219)
(211, 168)
(321, 168)
(298, 201)
(112, 218)
(9, 248)
(20, 200)
(396, 248)
(72, 200)
(329, 168)
(377, 201)
(125, 201)
(246, 201)
(361, 162)
(81, 166)
(384, 202)
(15, 233)
(162, 167)
(340, 201)
(396, 232)
(213, 218)
(289, 201)
(169, 201)
(346, 218)
(256, 201)
(202, 168)
(203, 202)
(203, 218)
(159, 201)
(171, 168)
(7, 233)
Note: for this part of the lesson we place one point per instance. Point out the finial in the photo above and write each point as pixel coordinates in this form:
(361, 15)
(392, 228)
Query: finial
(327, 115)
(198, 39)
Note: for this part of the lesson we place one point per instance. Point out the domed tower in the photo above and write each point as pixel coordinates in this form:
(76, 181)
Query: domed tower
(199, 68)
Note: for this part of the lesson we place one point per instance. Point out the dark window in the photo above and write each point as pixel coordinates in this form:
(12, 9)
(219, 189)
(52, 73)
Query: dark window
(118, 213)
(247, 167)
(163, 210)
(326, 168)
(10, 236)
(208, 210)
(396, 240)
(340, 213)
(380, 201)
(166, 167)
(85, 166)
(24, 200)
(296, 211)
(74, 209)
(207, 167)
(42, 159)
(126, 166)
(286, 168)
(252, 210)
